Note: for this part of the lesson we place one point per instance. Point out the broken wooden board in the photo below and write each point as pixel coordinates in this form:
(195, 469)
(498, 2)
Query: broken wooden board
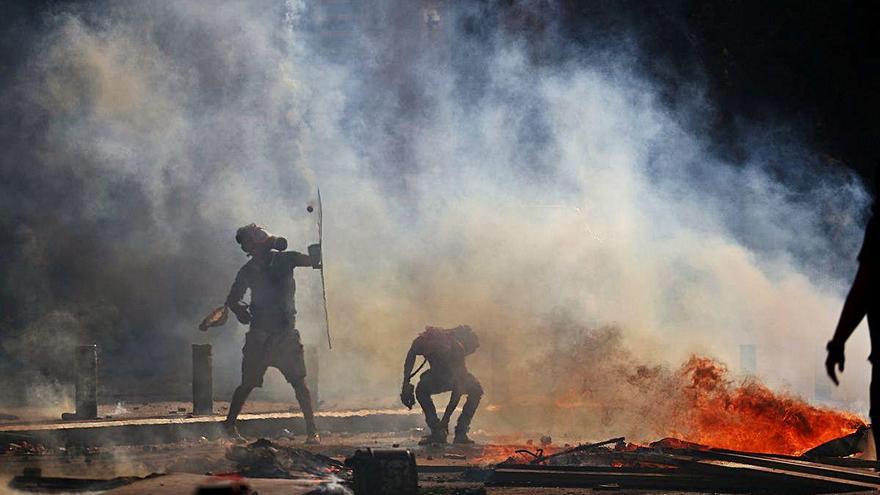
(794, 465)
(695, 471)
(782, 479)
(571, 477)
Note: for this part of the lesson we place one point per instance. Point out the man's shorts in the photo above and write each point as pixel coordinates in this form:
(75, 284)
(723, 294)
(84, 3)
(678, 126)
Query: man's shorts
(431, 382)
(282, 350)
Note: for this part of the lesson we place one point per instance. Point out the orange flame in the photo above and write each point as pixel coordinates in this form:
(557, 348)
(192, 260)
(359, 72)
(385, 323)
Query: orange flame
(750, 416)
(601, 390)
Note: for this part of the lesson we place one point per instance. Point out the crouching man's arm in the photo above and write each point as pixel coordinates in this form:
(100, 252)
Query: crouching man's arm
(407, 391)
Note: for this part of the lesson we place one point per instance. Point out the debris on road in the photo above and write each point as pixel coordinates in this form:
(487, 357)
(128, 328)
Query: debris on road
(265, 459)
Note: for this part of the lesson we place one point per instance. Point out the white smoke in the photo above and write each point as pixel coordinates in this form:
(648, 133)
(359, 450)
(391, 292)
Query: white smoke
(463, 182)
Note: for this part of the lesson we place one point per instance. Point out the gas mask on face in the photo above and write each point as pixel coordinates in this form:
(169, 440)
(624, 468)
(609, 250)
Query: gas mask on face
(254, 238)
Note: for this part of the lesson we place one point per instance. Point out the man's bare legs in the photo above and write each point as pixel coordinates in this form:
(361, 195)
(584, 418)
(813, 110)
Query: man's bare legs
(238, 397)
(304, 397)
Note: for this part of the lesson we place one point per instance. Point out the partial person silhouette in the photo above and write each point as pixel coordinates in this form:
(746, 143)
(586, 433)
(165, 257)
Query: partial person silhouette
(861, 301)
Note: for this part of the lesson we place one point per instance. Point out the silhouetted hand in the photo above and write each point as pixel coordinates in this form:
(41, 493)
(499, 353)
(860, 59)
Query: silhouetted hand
(315, 255)
(243, 317)
(408, 395)
(835, 359)
(242, 313)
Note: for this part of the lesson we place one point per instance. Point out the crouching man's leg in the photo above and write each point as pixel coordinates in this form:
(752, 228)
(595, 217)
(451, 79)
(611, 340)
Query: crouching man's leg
(427, 387)
(474, 392)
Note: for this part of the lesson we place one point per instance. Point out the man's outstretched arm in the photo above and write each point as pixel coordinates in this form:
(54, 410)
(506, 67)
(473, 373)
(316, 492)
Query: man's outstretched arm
(294, 258)
(854, 309)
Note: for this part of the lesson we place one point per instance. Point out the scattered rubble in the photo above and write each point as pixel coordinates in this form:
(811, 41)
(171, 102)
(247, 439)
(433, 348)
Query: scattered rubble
(26, 448)
(264, 459)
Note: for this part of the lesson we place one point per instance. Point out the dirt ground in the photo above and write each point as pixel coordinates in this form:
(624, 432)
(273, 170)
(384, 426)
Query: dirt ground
(181, 467)
(186, 465)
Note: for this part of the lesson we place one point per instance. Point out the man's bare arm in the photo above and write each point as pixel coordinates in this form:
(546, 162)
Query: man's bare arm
(294, 258)
(854, 309)
(234, 301)
(856, 305)
(407, 391)
(409, 363)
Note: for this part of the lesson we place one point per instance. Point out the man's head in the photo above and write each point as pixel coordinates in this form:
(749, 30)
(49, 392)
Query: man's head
(254, 240)
(467, 337)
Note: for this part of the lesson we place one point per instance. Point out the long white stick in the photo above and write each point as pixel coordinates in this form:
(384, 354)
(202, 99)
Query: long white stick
(323, 286)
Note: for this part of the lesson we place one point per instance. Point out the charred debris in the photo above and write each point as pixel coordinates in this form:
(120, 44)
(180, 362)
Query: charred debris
(611, 465)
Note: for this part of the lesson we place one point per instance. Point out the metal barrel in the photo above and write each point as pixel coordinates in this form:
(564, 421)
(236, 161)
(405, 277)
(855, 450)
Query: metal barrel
(202, 379)
(384, 472)
(86, 365)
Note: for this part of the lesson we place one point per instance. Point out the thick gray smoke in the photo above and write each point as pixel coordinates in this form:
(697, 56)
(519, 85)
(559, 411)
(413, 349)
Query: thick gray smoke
(471, 174)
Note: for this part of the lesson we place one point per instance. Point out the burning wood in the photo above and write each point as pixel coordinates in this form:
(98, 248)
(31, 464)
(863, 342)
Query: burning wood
(750, 416)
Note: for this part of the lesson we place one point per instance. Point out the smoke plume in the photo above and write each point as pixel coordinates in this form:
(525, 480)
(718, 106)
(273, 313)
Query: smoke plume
(475, 168)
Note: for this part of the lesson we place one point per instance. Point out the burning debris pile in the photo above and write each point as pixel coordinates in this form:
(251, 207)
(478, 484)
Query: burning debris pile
(749, 416)
(600, 386)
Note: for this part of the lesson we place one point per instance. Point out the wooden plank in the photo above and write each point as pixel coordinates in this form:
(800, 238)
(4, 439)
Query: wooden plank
(819, 483)
(796, 465)
(700, 476)
(845, 462)
(554, 478)
(834, 461)
(587, 469)
(645, 481)
(698, 470)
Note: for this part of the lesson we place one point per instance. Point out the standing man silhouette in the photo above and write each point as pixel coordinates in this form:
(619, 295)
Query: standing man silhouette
(273, 339)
